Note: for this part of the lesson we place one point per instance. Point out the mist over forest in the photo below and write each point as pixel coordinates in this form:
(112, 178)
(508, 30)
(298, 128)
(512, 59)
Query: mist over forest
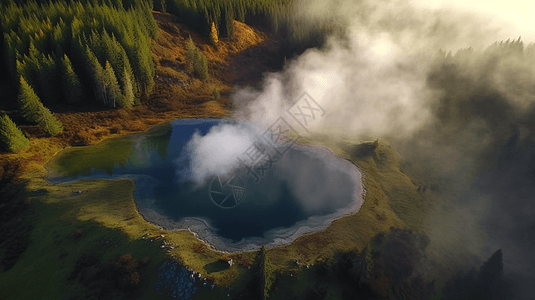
(453, 99)
(449, 85)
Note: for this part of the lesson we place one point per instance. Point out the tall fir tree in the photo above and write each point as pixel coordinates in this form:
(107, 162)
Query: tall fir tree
(71, 86)
(191, 54)
(262, 274)
(201, 65)
(34, 111)
(98, 77)
(59, 39)
(112, 86)
(48, 75)
(23, 69)
(11, 136)
(128, 90)
(28, 102)
(213, 34)
(49, 122)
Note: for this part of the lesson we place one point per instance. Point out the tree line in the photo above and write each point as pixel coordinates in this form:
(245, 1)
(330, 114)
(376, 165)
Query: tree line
(276, 16)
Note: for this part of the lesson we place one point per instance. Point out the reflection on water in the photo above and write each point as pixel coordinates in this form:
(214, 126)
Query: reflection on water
(302, 184)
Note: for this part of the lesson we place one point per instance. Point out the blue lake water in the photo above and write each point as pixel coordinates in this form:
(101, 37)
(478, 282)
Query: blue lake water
(300, 185)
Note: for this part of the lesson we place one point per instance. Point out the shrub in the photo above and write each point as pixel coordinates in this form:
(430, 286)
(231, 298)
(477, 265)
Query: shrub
(199, 248)
(215, 94)
(11, 136)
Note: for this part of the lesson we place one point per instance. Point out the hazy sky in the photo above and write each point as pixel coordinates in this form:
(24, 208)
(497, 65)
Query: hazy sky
(518, 13)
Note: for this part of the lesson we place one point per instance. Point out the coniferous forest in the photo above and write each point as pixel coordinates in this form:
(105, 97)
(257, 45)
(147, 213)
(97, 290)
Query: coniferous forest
(80, 51)
(97, 53)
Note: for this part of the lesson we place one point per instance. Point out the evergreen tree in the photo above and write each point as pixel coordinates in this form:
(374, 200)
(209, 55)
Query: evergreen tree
(262, 274)
(49, 123)
(191, 54)
(119, 61)
(128, 90)
(143, 64)
(215, 94)
(23, 69)
(71, 87)
(59, 39)
(201, 65)
(11, 136)
(149, 22)
(112, 86)
(48, 76)
(98, 76)
(28, 101)
(34, 111)
(213, 34)
(197, 61)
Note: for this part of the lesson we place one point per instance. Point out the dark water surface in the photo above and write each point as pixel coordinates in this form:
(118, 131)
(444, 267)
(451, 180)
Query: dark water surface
(301, 184)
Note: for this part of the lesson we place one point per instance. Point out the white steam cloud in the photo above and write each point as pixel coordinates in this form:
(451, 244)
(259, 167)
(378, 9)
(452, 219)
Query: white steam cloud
(372, 80)
(216, 152)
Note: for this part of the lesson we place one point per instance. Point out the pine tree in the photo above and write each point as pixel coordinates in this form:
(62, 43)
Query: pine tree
(71, 87)
(128, 90)
(49, 123)
(201, 65)
(191, 54)
(11, 136)
(48, 76)
(34, 111)
(197, 61)
(28, 101)
(119, 62)
(98, 76)
(262, 275)
(213, 34)
(23, 69)
(112, 86)
(143, 64)
(59, 40)
(215, 94)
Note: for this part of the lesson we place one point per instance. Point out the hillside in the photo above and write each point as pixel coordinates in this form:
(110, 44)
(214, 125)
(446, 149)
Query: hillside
(176, 94)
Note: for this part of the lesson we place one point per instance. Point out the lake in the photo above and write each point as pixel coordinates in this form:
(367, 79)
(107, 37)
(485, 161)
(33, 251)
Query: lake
(269, 202)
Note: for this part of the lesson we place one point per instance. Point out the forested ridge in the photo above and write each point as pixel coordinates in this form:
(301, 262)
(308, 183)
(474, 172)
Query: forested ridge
(97, 53)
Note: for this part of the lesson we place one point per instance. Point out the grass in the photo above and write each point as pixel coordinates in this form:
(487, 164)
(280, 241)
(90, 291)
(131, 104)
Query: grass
(102, 214)
(106, 210)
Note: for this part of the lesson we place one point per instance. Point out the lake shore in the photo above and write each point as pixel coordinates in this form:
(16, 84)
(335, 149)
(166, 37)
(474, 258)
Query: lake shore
(273, 238)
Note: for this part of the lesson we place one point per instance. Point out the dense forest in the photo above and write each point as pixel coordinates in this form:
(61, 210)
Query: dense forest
(67, 50)
(93, 53)
(280, 17)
